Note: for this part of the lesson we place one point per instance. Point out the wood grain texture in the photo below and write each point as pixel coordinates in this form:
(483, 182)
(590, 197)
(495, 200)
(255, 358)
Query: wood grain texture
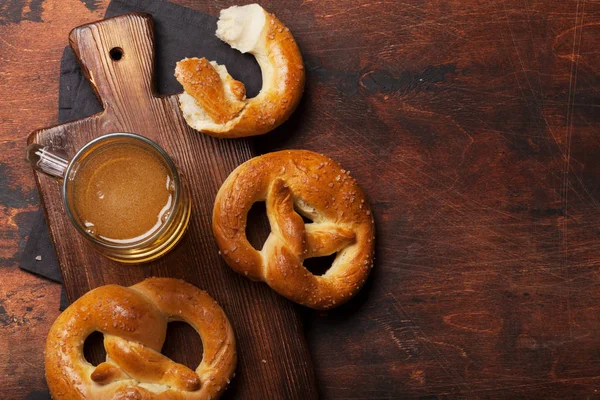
(273, 356)
(471, 125)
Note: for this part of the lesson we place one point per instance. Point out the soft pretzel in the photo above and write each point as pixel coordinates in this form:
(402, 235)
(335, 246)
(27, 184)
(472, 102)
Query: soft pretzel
(134, 323)
(215, 103)
(291, 183)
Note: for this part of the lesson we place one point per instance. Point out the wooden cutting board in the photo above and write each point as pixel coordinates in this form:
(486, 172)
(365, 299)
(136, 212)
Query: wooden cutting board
(274, 362)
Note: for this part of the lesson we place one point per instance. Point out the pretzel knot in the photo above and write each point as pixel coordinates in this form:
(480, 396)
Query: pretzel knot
(295, 183)
(134, 323)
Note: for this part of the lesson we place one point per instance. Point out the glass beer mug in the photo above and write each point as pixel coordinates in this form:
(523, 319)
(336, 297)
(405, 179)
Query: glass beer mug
(122, 192)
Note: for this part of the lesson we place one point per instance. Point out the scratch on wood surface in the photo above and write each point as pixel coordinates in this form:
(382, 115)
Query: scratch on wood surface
(473, 322)
(433, 351)
(565, 190)
(418, 376)
(460, 350)
(546, 382)
(538, 107)
(571, 56)
(405, 348)
(350, 9)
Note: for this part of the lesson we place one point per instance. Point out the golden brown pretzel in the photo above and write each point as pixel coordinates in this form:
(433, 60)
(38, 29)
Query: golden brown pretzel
(214, 103)
(292, 182)
(134, 323)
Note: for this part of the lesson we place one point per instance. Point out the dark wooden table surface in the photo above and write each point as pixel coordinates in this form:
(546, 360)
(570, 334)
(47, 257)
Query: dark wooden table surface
(473, 126)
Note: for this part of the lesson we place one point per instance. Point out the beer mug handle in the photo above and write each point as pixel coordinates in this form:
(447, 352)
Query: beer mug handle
(47, 161)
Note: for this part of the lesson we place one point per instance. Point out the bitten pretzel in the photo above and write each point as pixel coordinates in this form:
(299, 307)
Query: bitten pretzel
(292, 182)
(134, 323)
(215, 103)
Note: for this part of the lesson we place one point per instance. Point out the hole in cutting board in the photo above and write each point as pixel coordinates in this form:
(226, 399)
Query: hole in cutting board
(257, 219)
(319, 265)
(183, 344)
(93, 348)
(116, 53)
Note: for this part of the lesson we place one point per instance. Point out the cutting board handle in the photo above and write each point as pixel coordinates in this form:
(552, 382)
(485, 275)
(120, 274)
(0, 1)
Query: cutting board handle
(117, 56)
